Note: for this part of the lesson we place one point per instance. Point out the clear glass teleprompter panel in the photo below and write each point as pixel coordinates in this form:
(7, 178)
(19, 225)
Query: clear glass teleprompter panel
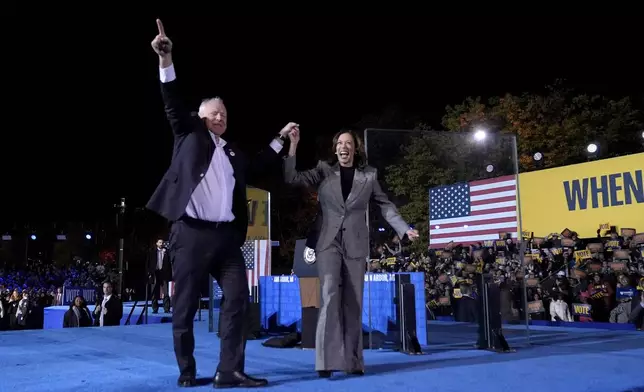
(459, 190)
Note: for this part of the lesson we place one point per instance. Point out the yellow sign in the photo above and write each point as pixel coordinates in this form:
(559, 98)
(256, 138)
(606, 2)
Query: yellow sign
(581, 255)
(581, 309)
(258, 214)
(580, 196)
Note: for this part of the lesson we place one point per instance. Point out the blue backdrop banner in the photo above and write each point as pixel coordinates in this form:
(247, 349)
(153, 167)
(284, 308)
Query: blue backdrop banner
(280, 298)
(69, 293)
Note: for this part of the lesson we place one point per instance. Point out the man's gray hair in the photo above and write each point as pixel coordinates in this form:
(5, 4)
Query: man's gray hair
(205, 102)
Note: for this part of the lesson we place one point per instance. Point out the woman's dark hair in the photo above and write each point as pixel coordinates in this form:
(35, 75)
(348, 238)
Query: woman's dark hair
(360, 156)
(83, 302)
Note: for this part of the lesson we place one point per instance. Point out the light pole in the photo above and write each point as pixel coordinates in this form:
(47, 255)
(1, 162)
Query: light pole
(120, 225)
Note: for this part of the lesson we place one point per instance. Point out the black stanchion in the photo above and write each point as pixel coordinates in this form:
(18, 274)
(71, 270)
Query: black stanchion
(145, 306)
(405, 302)
(490, 323)
(120, 224)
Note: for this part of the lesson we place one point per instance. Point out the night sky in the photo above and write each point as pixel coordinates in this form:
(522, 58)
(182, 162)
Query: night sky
(84, 123)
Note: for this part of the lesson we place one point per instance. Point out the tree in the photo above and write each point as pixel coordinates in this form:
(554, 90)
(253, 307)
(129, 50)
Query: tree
(412, 161)
(295, 215)
(429, 158)
(558, 124)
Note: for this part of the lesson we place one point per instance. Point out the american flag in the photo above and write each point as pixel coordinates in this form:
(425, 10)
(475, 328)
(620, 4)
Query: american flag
(467, 213)
(257, 255)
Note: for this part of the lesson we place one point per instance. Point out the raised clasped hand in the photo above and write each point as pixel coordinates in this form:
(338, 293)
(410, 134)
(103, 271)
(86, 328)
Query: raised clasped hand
(161, 44)
(289, 128)
(294, 136)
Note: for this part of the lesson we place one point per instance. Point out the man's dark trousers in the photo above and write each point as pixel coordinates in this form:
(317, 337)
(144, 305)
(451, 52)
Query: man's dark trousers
(160, 285)
(197, 249)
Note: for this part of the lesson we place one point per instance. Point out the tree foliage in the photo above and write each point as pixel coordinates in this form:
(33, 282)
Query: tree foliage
(429, 158)
(559, 124)
(295, 215)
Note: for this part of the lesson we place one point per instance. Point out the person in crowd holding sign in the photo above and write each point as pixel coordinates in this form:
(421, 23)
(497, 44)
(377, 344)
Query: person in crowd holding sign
(602, 296)
(345, 187)
(203, 194)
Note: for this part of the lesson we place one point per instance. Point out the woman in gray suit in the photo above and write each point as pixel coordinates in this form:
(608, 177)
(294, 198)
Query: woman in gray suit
(345, 187)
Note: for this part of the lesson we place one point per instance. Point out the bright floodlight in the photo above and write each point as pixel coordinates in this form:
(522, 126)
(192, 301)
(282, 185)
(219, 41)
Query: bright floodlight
(33, 237)
(592, 148)
(479, 135)
(88, 236)
(537, 156)
(489, 168)
(642, 134)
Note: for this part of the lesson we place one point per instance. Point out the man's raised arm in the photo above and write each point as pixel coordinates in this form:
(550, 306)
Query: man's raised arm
(258, 167)
(181, 121)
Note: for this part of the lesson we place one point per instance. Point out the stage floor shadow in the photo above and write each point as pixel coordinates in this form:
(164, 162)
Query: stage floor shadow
(140, 358)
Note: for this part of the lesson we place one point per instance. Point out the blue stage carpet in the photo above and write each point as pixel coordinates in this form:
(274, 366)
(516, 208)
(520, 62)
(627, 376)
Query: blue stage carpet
(140, 358)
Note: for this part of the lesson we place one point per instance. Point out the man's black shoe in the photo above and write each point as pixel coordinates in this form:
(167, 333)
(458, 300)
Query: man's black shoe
(356, 373)
(237, 379)
(324, 373)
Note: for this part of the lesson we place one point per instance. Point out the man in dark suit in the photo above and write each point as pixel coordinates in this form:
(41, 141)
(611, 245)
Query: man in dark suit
(203, 194)
(109, 312)
(159, 275)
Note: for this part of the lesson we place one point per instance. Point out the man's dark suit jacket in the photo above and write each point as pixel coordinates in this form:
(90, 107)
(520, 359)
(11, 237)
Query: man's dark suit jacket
(114, 312)
(166, 269)
(191, 156)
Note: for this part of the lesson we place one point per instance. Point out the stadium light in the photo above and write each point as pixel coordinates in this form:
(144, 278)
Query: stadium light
(538, 159)
(88, 236)
(489, 168)
(33, 237)
(592, 151)
(480, 135)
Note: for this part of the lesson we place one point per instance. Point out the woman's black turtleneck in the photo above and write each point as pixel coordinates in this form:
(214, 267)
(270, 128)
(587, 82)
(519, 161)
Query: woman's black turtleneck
(346, 179)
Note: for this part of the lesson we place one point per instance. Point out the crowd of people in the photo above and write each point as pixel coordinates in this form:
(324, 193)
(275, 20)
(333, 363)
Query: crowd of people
(25, 293)
(567, 278)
